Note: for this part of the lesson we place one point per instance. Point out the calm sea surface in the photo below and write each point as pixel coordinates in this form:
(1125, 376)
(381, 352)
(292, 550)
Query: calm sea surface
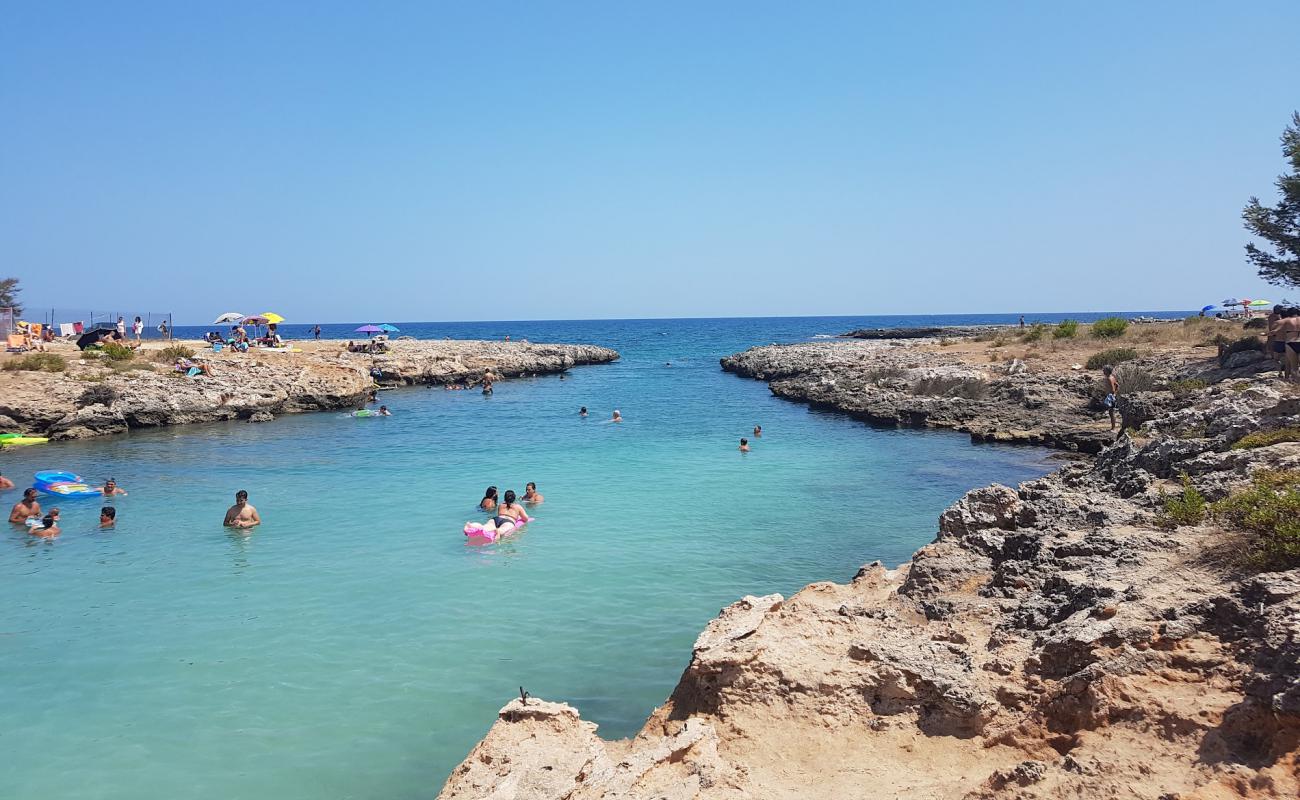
(354, 646)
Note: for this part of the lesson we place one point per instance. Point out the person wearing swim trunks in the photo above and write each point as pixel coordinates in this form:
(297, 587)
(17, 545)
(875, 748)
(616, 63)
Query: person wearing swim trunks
(107, 517)
(489, 501)
(1288, 331)
(531, 495)
(25, 508)
(242, 514)
(1112, 392)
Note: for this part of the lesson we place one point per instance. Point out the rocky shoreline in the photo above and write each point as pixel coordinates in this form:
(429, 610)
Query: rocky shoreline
(92, 398)
(1060, 639)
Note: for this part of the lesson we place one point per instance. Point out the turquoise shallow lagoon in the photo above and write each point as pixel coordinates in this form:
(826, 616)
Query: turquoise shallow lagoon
(355, 646)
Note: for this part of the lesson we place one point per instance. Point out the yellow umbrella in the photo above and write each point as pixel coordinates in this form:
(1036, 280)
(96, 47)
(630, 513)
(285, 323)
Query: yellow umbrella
(272, 317)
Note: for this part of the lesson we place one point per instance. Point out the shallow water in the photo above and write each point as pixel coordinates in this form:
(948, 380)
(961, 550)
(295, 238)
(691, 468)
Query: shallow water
(355, 646)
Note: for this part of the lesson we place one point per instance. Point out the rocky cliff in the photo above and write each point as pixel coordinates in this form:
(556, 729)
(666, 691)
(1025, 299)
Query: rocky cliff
(94, 397)
(1059, 639)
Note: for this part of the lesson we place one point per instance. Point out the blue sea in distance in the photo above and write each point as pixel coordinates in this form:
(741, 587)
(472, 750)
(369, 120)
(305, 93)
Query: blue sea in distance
(355, 646)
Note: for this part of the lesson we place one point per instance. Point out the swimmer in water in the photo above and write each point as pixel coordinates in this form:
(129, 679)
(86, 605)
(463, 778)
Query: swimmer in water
(48, 527)
(510, 515)
(617, 417)
(531, 495)
(582, 412)
(107, 517)
(758, 431)
(111, 488)
(384, 412)
(744, 445)
(242, 514)
(28, 507)
(5, 483)
(489, 501)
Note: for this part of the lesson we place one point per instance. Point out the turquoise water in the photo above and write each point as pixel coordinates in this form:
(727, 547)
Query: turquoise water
(354, 646)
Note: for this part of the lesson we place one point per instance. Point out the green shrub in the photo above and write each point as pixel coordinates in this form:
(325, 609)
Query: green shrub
(36, 362)
(1241, 386)
(940, 386)
(1133, 377)
(1066, 329)
(1109, 328)
(944, 341)
(1266, 438)
(1116, 355)
(1187, 386)
(1270, 509)
(98, 394)
(170, 353)
(1034, 333)
(117, 352)
(1256, 324)
(1187, 508)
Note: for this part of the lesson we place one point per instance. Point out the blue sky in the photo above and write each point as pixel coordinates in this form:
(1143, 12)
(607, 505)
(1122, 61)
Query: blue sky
(352, 161)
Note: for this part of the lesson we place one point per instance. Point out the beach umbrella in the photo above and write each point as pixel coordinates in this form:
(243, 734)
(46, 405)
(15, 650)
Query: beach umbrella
(229, 316)
(272, 317)
(369, 329)
(255, 320)
(1232, 301)
(1255, 303)
(390, 328)
(87, 338)
(1207, 308)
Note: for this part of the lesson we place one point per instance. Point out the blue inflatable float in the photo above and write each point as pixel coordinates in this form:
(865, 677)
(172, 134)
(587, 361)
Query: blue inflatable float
(65, 484)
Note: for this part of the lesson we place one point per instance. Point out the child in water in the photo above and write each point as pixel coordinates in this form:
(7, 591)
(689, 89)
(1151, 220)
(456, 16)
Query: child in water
(744, 445)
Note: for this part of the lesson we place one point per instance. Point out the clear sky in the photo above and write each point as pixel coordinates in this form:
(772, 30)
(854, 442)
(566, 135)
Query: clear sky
(342, 161)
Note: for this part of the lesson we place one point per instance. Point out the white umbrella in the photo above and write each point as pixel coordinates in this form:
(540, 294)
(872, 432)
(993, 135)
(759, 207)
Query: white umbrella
(229, 316)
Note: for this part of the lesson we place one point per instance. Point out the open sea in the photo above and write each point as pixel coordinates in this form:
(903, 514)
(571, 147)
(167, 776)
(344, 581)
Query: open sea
(355, 645)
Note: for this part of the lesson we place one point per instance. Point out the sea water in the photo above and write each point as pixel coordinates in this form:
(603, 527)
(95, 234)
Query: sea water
(356, 645)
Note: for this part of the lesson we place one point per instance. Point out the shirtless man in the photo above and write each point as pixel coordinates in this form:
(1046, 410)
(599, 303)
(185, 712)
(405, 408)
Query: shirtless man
(531, 495)
(111, 488)
(49, 527)
(1112, 392)
(107, 517)
(5, 483)
(617, 417)
(27, 507)
(242, 514)
(744, 445)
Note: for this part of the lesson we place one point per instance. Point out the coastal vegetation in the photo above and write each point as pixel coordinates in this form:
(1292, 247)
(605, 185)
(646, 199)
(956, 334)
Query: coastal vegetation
(1114, 357)
(1036, 332)
(36, 362)
(98, 394)
(1278, 225)
(1109, 328)
(1065, 329)
(1269, 508)
(1265, 438)
(9, 295)
(1186, 508)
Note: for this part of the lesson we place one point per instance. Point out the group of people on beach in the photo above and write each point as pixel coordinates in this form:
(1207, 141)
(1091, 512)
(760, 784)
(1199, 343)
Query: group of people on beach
(1282, 341)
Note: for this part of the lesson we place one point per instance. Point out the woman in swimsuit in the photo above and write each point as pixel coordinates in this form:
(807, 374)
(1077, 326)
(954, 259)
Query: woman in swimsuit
(489, 501)
(510, 515)
(1288, 331)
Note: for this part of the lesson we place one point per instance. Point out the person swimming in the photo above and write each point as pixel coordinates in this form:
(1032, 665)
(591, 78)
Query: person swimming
(28, 507)
(242, 514)
(744, 445)
(107, 517)
(384, 412)
(48, 527)
(489, 501)
(531, 495)
(617, 417)
(758, 431)
(582, 412)
(111, 488)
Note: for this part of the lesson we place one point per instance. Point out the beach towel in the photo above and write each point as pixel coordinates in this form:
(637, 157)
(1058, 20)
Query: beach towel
(66, 329)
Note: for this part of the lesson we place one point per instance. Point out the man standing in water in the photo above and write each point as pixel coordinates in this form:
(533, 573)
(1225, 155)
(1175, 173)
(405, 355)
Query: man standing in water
(242, 514)
(107, 517)
(27, 507)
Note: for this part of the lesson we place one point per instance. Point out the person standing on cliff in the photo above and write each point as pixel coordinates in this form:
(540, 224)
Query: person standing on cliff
(1022, 320)
(1112, 392)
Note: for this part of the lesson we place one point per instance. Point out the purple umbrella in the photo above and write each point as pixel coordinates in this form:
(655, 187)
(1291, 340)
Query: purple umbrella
(369, 329)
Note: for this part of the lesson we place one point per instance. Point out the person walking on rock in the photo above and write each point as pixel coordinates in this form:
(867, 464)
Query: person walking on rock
(1112, 392)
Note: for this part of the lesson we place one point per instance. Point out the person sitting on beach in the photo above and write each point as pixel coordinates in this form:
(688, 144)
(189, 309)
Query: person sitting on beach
(617, 417)
(28, 507)
(5, 483)
(48, 527)
(531, 495)
(510, 515)
(384, 412)
(744, 445)
(107, 517)
(193, 368)
(489, 501)
(242, 514)
(758, 431)
(111, 488)
(582, 412)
